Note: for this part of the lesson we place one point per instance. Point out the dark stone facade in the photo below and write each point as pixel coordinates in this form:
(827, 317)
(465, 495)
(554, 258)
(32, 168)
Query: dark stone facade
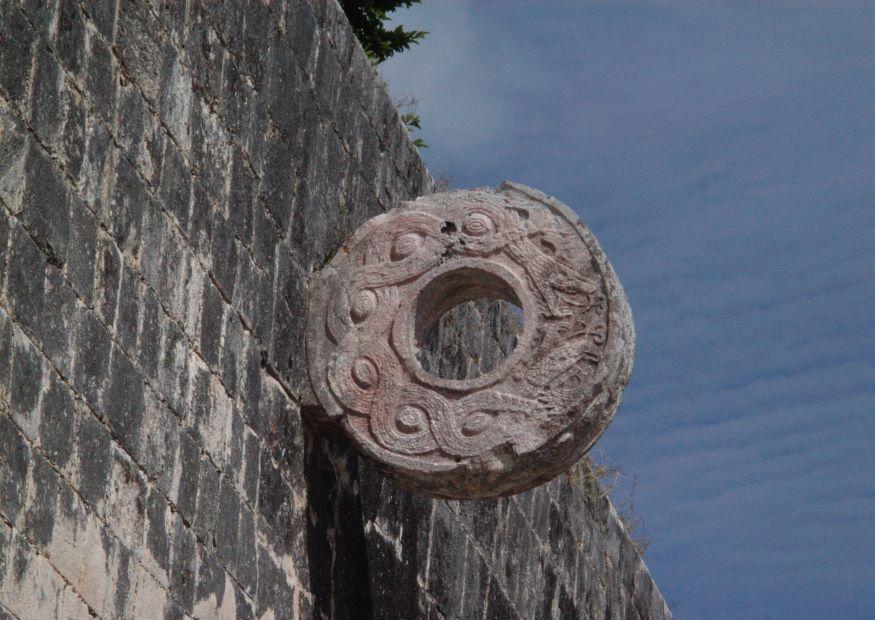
(170, 175)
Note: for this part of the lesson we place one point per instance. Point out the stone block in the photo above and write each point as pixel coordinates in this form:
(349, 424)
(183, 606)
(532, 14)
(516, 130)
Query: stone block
(276, 594)
(257, 28)
(250, 381)
(175, 184)
(224, 256)
(213, 590)
(245, 567)
(39, 513)
(475, 581)
(497, 603)
(32, 588)
(615, 596)
(4, 247)
(234, 97)
(173, 373)
(5, 355)
(210, 153)
(128, 202)
(101, 77)
(46, 207)
(251, 467)
(447, 555)
(28, 371)
(212, 314)
(96, 176)
(481, 520)
(197, 412)
(642, 593)
(14, 142)
(241, 197)
(15, 459)
(45, 113)
(158, 442)
(125, 501)
(265, 235)
(94, 456)
(183, 564)
(233, 466)
(158, 541)
(128, 313)
(139, 133)
(187, 474)
(287, 348)
(16, 45)
(519, 554)
(139, 42)
(78, 549)
(258, 127)
(328, 75)
(16, 41)
(57, 416)
(174, 17)
(70, 39)
(206, 53)
(232, 349)
(51, 331)
(207, 509)
(286, 79)
(124, 565)
(191, 298)
(304, 33)
(277, 188)
(274, 504)
(124, 403)
(82, 250)
(393, 583)
(149, 337)
(176, 276)
(156, 231)
(147, 597)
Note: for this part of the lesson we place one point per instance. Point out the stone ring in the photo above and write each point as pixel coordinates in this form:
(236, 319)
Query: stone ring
(512, 427)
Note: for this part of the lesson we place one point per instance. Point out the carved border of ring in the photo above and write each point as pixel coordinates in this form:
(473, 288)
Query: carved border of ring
(405, 417)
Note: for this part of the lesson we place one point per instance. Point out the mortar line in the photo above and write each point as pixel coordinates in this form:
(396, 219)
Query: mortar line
(146, 380)
(192, 345)
(120, 447)
(34, 449)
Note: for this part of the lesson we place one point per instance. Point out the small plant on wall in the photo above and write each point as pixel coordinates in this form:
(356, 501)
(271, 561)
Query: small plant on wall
(407, 106)
(368, 19)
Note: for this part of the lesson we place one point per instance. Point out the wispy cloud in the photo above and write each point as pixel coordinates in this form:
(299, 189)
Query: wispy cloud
(724, 153)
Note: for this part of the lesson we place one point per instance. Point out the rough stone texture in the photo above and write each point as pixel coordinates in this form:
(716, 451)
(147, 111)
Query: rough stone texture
(501, 432)
(471, 338)
(552, 552)
(170, 175)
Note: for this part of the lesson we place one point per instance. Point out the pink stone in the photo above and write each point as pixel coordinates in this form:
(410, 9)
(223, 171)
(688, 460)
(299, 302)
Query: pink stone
(527, 420)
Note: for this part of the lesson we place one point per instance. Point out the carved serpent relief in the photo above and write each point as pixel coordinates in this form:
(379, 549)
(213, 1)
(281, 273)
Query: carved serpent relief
(507, 430)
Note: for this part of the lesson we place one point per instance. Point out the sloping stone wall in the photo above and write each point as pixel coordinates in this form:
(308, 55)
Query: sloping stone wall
(170, 175)
(557, 551)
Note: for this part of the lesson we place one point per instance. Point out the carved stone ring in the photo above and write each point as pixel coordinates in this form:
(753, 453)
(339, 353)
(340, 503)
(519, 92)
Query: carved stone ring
(519, 424)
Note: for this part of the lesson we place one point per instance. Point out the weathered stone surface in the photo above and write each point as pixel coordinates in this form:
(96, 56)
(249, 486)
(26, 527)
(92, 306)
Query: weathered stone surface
(170, 175)
(513, 427)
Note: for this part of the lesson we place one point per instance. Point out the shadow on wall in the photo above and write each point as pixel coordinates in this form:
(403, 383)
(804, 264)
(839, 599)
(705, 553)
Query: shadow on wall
(336, 546)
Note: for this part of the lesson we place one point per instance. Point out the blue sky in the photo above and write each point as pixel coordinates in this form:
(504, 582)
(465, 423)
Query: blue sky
(724, 155)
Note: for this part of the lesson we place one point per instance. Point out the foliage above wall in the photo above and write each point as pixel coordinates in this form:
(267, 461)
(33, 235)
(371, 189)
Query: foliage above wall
(368, 18)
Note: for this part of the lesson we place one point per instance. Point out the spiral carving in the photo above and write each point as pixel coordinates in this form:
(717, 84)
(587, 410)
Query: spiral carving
(513, 427)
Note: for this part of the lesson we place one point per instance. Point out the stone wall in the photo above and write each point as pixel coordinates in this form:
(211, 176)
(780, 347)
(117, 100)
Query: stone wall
(557, 551)
(170, 175)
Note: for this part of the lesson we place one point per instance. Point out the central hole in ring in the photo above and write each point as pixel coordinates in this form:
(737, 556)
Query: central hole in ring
(467, 323)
